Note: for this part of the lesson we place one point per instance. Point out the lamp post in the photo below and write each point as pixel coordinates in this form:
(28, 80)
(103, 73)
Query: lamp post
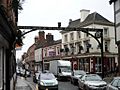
(72, 50)
(99, 34)
(102, 56)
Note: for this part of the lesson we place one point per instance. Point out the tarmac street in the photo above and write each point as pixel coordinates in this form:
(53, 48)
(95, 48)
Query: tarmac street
(28, 84)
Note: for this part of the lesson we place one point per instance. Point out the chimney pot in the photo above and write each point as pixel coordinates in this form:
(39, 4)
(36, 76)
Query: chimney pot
(84, 13)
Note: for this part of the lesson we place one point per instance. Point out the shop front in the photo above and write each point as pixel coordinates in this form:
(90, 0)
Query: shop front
(94, 65)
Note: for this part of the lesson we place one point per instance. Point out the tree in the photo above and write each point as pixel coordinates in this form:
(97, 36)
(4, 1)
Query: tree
(17, 6)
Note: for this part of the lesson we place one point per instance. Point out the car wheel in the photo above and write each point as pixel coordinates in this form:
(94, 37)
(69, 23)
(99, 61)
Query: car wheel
(85, 88)
(56, 89)
(71, 81)
(79, 88)
(39, 88)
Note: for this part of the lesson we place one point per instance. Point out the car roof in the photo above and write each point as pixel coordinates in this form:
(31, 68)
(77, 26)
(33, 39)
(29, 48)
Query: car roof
(47, 75)
(118, 77)
(91, 75)
(80, 71)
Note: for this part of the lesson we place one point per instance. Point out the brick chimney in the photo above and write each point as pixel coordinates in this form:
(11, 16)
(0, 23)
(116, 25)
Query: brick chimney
(36, 38)
(49, 37)
(84, 13)
(41, 35)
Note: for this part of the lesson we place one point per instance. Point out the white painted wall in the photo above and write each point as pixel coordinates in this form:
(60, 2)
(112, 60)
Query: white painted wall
(53, 48)
(38, 55)
(111, 36)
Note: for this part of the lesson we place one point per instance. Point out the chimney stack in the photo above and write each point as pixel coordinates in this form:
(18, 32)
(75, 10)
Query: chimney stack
(49, 37)
(84, 13)
(41, 35)
(36, 38)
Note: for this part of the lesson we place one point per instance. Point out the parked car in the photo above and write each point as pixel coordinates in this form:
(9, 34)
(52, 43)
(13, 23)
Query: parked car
(47, 81)
(28, 73)
(91, 82)
(22, 71)
(35, 76)
(76, 74)
(18, 72)
(114, 84)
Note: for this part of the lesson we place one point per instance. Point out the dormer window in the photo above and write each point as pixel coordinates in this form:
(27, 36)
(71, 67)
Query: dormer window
(105, 32)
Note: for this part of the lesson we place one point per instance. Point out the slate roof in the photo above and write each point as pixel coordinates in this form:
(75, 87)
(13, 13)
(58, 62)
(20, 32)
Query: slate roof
(45, 43)
(93, 18)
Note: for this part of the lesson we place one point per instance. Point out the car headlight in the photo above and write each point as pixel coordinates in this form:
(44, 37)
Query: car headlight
(56, 82)
(41, 83)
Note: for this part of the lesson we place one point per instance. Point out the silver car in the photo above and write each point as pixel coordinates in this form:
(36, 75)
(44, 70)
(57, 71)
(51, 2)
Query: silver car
(91, 82)
(47, 81)
(115, 84)
(76, 74)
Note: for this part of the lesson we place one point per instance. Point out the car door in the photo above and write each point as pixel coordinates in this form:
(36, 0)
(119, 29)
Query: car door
(82, 81)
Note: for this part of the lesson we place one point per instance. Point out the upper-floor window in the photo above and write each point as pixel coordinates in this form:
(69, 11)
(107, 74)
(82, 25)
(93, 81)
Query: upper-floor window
(66, 38)
(105, 31)
(87, 45)
(58, 50)
(45, 52)
(71, 36)
(79, 34)
(86, 34)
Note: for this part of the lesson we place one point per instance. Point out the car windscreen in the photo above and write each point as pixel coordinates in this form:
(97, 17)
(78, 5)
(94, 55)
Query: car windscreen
(79, 73)
(93, 78)
(65, 69)
(47, 76)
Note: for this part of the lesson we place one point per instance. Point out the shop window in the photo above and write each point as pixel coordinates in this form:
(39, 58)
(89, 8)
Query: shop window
(98, 65)
(84, 64)
(81, 64)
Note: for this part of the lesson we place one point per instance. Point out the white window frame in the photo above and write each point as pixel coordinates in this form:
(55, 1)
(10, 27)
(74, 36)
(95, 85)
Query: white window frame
(79, 34)
(71, 36)
(106, 32)
(65, 38)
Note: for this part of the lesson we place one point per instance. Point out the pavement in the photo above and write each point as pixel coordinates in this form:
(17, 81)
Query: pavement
(24, 84)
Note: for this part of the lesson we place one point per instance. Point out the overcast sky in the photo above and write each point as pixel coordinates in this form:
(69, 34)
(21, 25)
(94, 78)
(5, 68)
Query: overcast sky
(50, 12)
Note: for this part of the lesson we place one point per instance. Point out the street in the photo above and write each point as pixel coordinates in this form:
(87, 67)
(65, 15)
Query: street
(63, 85)
(66, 85)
